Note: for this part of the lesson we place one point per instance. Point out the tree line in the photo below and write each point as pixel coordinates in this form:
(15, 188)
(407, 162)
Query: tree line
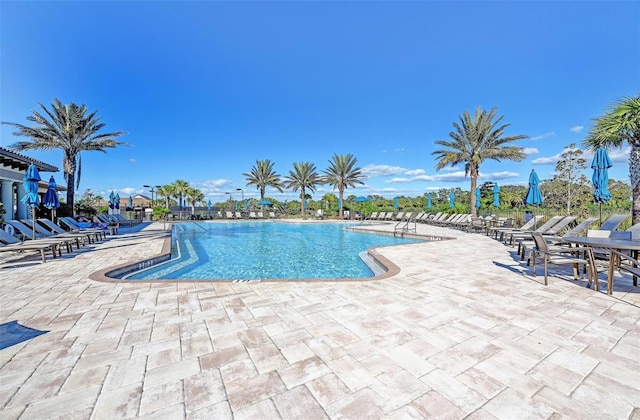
(474, 139)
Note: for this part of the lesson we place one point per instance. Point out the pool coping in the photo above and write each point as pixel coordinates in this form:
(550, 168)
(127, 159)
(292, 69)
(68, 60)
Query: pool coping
(106, 275)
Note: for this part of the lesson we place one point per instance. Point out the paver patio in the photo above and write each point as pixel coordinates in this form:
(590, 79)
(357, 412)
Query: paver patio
(463, 331)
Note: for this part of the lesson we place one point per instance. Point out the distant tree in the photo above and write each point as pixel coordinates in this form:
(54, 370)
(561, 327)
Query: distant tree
(262, 175)
(475, 140)
(621, 194)
(569, 171)
(193, 196)
(87, 203)
(303, 177)
(330, 200)
(513, 195)
(167, 191)
(181, 188)
(341, 174)
(615, 128)
(69, 128)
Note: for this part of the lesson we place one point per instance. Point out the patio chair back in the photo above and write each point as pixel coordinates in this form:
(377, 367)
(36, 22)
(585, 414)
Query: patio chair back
(8, 238)
(581, 227)
(531, 223)
(613, 222)
(562, 224)
(635, 231)
(549, 224)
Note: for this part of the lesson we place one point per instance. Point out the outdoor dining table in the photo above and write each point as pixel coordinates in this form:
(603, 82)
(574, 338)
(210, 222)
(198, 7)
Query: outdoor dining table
(607, 243)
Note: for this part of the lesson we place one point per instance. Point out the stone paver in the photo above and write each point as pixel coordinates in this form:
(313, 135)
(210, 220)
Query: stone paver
(462, 331)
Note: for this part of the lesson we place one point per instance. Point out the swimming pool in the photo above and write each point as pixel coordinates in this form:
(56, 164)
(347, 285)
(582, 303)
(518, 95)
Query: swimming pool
(255, 250)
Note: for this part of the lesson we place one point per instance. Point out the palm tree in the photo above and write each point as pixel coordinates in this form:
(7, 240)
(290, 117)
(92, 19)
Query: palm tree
(69, 128)
(475, 140)
(303, 177)
(167, 191)
(262, 175)
(194, 196)
(181, 188)
(341, 174)
(621, 124)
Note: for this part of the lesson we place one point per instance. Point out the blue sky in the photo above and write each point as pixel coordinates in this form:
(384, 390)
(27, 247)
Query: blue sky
(205, 89)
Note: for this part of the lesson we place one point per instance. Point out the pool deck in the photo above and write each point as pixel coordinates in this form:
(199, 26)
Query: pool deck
(462, 331)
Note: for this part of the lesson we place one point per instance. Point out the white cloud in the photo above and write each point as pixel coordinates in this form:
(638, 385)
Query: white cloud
(216, 183)
(414, 172)
(399, 149)
(381, 170)
(215, 187)
(398, 180)
(620, 155)
(132, 160)
(576, 129)
(543, 136)
(453, 177)
(128, 191)
(550, 160)
(423, 178)
(530, 151)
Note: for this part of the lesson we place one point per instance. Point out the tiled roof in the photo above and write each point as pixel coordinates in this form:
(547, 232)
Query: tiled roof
(17, 160)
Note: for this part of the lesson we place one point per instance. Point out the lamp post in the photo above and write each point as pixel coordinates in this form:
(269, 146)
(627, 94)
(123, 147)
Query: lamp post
(242, 191)
(153, 189)
(230, 198)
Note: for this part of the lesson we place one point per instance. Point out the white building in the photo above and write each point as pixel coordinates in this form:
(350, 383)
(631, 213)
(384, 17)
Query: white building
(13, 166)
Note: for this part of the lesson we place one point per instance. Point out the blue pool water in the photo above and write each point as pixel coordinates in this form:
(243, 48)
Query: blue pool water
(267, 250)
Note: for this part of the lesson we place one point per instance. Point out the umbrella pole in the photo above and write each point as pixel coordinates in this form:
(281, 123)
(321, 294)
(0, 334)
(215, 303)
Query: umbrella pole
(33, 222)
(601, 213)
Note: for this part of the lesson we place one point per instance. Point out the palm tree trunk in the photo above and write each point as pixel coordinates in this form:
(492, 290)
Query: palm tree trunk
(474, 185)
(635, 212)
(340, 210)
(69, 167)
(634, 177)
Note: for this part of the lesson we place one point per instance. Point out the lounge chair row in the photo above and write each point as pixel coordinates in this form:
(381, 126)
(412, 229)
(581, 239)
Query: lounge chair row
(251, 215)
(44, 235)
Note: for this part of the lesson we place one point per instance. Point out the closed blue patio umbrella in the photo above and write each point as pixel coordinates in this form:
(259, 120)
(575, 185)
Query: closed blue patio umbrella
(395, 203)
(601, 164)
(534, 196)
(50, 200)
(130, 202)
(496, 195)
(112, 202)
(478, 197)
(31, 179)
(116, 203)
(452, 200)
(429, 200)
(209, 206)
